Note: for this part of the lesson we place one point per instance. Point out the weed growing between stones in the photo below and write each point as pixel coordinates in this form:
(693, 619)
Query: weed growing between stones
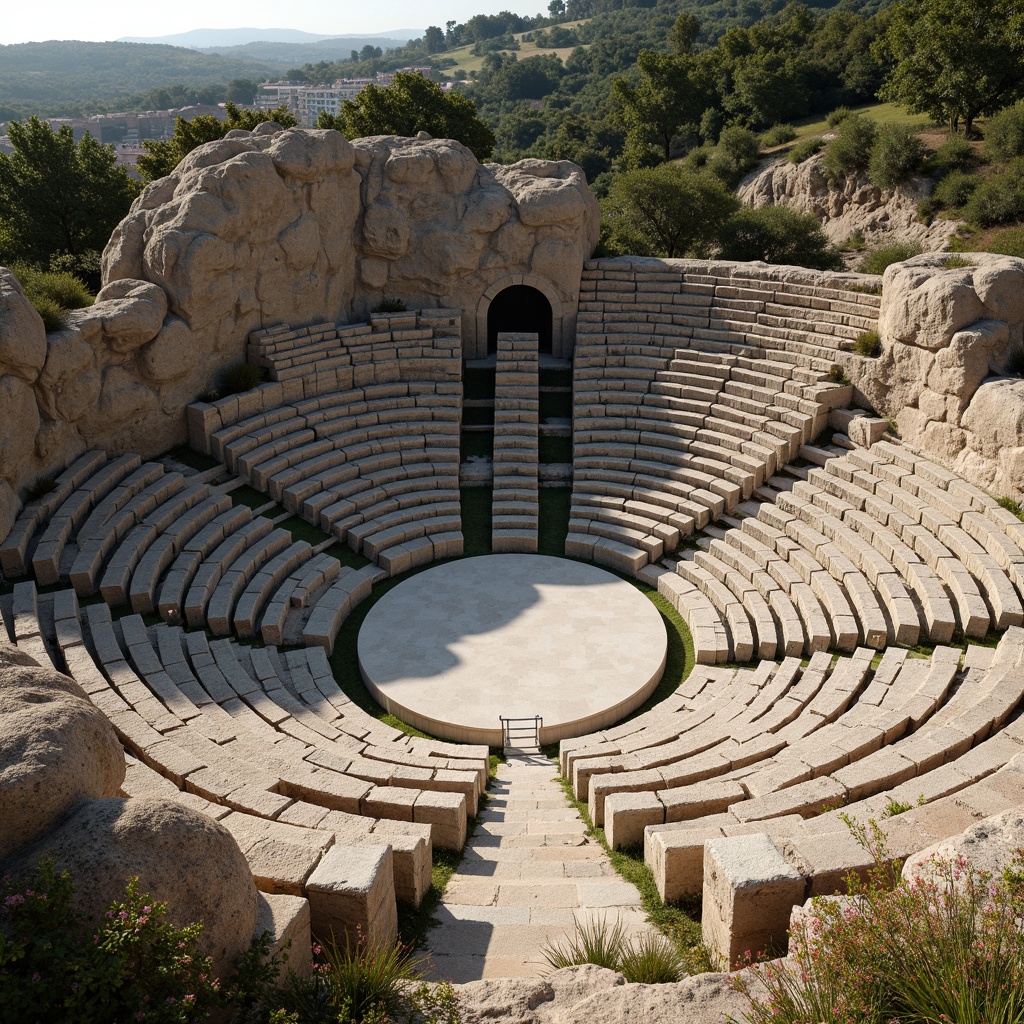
(648, 960)
(241, 376)
(942, 946)
(868, 344)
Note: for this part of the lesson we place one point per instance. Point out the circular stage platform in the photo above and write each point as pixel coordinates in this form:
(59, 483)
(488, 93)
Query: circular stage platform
(454, 647)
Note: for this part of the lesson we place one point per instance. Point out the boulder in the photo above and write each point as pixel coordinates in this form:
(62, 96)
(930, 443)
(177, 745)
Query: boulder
(991, 847)
(594, 995)
(22, 335)
(181, 857)
(131, 311)
(56, 750)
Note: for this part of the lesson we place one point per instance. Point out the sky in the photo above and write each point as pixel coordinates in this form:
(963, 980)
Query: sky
(103, 19)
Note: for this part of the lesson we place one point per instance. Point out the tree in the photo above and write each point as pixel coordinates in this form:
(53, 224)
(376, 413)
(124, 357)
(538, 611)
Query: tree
(683, 33)
(955, 60)
(161, 157)
(556, 9)
(780, 235)
(433, 40)
(669, 100)
(241, 90)
(414, 104)
(59, 198)
(667, 211)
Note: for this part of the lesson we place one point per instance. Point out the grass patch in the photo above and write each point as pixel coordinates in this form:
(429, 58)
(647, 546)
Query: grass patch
(868, 344)
(876, 261)
(881, 113)
(476, 520)
(553, 520)
(554, 449)
(1011, 506)
(188, 456)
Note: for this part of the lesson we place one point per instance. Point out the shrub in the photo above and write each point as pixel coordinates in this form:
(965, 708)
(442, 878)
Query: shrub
(363, 982)
(926, 211)
(735, 154)
(805, 149)
(837, 116)
(956, 263)
(1009, 242)
(956, 153)
(897, 155)
(391, 306)
(52, 293)
(955, 189)
(127, 964)
(997, 199)
(649, 960)
(943, 948)
(850, 150)
(868, 344)
(240, 376)
(780, 235)
(878, 259)
(1004, 134)
(837, 375)
(778, 135)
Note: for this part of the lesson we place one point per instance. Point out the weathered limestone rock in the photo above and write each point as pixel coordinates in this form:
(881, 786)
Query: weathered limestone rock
(22, 335)
(56, 749)
(132, 312)
(880, 215)
(749, 893)
(180, 856)
(990, 846)
(594, 995)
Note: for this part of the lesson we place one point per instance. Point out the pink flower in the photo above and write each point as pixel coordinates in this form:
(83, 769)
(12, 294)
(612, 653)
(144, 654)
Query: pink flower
(123, 915)
(14, 900)
(147, 910)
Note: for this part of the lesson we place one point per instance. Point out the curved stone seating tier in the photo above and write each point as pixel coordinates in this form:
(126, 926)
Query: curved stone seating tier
(251, 729)
(684, 368)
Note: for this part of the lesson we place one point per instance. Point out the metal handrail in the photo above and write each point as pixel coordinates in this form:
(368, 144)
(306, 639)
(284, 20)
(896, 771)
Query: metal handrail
(510, 727)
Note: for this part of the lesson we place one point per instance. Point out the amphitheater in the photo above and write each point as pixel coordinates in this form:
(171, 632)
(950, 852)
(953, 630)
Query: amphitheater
(827, 527)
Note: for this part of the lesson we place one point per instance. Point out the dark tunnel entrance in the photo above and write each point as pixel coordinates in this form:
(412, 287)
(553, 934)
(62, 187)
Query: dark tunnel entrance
(520, 309)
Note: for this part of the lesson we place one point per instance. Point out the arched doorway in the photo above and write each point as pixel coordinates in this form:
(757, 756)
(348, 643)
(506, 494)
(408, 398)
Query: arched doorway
(520, 309)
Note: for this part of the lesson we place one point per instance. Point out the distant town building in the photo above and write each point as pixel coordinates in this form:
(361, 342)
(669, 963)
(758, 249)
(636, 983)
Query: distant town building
(306, 102)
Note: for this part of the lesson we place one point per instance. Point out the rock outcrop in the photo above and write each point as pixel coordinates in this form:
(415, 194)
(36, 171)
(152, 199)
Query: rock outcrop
(258, 229)
(181, 857)
(57, 749)
(949, 338)
(992, 846)
(594, 995)
(855, 205)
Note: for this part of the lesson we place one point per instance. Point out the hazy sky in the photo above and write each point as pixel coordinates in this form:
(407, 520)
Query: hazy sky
(101, 19)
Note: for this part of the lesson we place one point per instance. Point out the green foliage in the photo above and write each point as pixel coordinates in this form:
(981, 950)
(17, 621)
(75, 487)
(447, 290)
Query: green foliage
(955, 153)
(955, 60)
(127, 964)
(52, 294)
(837, 116)
(413, 104)
(851, 149)
(363, 983)
(735, 154)
(391, 306)
(878, 259)
(805, 149)
(58, 197)
(667, 211)
(956, 263)
(998, 198)
(1004, 134)
(778, 234)
(868, 344)
(1009, 242)
(1011, 506)
(955, 189)
(945, 946)
(161, 157)
(837, 375)
(648, 960)
(240, 376)
(778, 135)
(897, 155)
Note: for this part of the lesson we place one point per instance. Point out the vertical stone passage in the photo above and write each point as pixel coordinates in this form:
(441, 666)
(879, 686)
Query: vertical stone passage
(516, 416)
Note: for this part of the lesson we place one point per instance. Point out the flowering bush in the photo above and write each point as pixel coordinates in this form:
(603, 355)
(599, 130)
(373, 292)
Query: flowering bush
(945, 946)
(130, 965)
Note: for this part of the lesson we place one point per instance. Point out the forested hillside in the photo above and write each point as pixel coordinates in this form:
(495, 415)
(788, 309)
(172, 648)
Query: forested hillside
(73, 78)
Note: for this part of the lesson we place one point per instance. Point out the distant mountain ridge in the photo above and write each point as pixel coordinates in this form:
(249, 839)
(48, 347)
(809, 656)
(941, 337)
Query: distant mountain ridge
(293, 55)
(215, 38)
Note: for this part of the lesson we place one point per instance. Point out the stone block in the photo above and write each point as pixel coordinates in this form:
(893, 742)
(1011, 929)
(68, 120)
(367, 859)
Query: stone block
(287, 920)
(749, 893)
(352, 892)
(626, 815)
